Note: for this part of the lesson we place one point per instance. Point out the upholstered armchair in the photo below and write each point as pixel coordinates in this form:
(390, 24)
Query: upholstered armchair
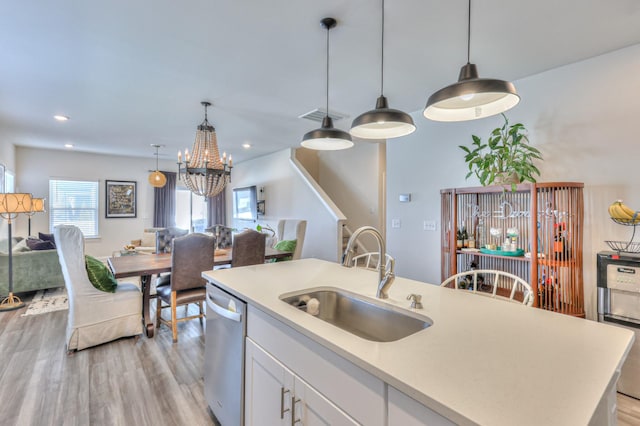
(94, 316)
(292, 229)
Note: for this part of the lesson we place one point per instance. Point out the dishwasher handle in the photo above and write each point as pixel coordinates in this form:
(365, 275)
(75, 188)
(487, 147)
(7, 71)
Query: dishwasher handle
(222, 311)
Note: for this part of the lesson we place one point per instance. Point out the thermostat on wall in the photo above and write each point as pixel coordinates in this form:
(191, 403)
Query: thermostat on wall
(405, 198)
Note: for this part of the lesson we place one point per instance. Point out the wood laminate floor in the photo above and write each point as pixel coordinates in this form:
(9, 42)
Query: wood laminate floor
(628, 411)
(127, 382)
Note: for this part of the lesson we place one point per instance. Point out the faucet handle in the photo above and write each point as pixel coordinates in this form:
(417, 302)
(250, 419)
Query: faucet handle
(416, 301)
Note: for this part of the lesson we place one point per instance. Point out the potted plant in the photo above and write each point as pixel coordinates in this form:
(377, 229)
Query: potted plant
(507, 157)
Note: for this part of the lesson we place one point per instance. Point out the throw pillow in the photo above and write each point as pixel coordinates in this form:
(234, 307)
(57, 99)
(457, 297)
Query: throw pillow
(99, 275)
(20, 247)
(47, 237)
(286, 245)
(38, 244)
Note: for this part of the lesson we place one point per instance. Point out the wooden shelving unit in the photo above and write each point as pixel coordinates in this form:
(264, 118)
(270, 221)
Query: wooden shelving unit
(549, 219)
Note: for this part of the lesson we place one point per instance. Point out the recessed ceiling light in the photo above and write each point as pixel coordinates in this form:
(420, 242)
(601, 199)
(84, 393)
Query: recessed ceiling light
(246, 145)
(61, 117)
(68, 145)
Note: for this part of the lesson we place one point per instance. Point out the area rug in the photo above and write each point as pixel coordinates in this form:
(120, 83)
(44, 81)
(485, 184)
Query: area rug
(50, 300)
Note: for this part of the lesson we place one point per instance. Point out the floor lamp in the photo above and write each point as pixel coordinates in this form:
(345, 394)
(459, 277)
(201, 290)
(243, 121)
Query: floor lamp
(11, 204)
(37, 206)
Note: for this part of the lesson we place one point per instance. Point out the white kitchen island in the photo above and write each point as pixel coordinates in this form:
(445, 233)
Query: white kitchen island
(483, 361)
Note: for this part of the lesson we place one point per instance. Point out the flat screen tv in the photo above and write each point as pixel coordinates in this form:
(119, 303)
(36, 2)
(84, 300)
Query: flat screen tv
(245, 203)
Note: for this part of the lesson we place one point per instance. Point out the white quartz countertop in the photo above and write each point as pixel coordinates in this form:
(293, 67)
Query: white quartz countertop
(483, 361)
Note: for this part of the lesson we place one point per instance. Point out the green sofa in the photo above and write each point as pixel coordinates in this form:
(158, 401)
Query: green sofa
(32, 270)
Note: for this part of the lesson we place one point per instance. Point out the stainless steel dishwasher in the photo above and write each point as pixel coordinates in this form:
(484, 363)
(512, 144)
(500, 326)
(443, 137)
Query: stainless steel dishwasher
(226, 329)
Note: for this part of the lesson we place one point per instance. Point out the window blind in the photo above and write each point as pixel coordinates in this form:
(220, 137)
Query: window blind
(74, 202)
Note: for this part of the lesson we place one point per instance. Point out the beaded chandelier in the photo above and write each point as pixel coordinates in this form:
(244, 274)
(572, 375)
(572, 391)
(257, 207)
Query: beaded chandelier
(204, 172)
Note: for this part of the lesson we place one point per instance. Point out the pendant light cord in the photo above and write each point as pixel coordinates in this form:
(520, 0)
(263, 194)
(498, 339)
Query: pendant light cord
(468, 34)
(382, 54)
(327, 97)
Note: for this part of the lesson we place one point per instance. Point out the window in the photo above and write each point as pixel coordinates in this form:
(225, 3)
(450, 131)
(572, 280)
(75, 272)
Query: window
(191, 211)
(9, 182)
(245, 203)
(74, 202)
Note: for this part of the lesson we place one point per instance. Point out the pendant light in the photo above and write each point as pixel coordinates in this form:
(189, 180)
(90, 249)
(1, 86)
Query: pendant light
(326, 138)
(157, 179)
(382, 122)
(471, 97)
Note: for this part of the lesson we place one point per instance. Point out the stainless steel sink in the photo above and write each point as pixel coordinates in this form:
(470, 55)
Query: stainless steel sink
(366, 318)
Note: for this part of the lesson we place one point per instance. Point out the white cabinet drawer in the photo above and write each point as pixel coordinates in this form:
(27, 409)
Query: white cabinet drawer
(349, 387)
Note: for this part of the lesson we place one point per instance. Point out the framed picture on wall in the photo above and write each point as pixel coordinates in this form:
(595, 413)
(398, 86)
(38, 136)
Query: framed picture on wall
(121, 199)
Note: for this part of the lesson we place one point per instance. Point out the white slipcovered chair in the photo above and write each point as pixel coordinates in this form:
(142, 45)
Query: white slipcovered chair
(95, 316)
(493, 283)
(292, 229)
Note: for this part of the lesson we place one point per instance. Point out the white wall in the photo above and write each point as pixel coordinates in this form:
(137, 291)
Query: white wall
(7, 157)
(35, 166)
(353, 179)
(7, 152)
(583, 118)
(287, 196)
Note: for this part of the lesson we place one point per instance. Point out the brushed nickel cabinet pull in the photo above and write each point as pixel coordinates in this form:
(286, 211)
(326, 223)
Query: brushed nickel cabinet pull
(294, 401)
(282, 410)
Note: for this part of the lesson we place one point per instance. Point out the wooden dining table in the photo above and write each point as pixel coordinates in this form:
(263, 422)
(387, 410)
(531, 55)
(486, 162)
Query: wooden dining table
(146, 266)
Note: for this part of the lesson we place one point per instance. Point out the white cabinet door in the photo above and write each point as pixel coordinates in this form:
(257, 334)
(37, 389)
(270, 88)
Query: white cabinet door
(268, 389)
(271, 389)
(313, 409)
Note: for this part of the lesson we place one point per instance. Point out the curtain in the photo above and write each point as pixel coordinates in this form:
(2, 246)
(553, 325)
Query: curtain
(216, 209)
(164, 203)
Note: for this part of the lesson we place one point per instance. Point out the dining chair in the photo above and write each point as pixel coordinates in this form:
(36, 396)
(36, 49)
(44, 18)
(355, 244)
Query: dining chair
(165, 236)
(248, 248)
(223, 235)
(292, 229)
(371, 260)
(191, 255)
(94, 316)
(493, 283)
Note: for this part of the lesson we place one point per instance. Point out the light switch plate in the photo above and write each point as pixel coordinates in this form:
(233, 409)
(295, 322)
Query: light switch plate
(395, 223)
(429, 225)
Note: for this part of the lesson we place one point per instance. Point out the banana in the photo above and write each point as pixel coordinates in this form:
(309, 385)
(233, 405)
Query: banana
(615, 212)
(626, 210)
(622, 214)
(611, 210)
(620, 211)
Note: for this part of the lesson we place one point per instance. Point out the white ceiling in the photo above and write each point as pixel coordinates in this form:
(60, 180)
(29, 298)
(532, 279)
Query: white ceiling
(133, 72)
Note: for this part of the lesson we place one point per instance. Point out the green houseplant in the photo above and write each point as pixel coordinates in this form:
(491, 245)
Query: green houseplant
(506, 158)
